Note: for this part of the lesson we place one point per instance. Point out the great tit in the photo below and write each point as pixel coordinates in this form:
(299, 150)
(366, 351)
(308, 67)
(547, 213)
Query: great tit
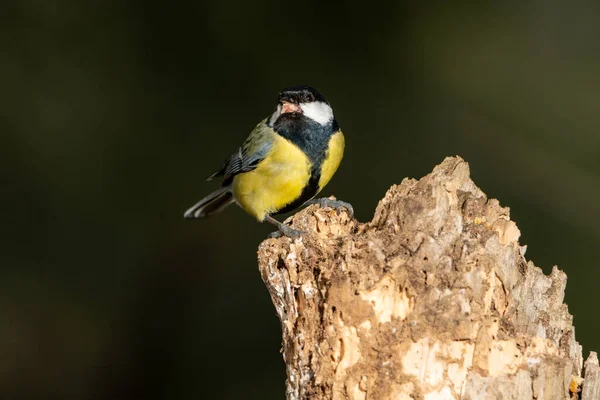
(283, 164)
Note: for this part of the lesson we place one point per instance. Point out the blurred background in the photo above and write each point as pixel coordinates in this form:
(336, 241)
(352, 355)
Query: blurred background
(113, 113)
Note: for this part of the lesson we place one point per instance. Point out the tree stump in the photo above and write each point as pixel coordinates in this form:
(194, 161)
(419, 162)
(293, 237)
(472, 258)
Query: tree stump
(432, 299)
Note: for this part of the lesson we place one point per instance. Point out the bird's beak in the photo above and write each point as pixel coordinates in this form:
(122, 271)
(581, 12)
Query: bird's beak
(287, 107)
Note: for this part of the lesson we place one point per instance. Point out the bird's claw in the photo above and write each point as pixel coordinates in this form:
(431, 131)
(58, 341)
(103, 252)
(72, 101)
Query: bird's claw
(337, 204)
(285, 230)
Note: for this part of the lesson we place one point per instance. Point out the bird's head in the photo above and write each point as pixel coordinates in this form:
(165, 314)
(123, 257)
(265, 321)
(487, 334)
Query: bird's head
(301, 100)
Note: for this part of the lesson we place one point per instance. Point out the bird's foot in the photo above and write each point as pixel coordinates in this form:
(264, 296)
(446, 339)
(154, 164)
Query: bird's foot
(337, 204)
(285, 230)
(282, 229)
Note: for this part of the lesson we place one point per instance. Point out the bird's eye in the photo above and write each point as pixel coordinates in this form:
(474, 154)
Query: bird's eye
(309, 98)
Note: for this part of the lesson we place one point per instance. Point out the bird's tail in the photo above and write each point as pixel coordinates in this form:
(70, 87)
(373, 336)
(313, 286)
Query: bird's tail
(211, 204)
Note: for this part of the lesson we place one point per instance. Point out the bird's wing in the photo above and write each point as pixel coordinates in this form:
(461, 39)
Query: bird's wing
(249, 155)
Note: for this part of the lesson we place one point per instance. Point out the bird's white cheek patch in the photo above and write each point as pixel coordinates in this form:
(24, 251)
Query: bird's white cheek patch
(317, 111)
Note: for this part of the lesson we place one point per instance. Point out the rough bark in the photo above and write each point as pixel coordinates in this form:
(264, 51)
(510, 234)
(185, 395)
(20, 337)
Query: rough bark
(432, 299)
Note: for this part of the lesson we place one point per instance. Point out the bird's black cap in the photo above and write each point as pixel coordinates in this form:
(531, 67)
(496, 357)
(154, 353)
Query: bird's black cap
(301, 94)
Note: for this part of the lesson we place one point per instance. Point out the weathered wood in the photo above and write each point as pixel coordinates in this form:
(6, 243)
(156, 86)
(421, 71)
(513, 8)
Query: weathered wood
(432, 299)
(591, 384)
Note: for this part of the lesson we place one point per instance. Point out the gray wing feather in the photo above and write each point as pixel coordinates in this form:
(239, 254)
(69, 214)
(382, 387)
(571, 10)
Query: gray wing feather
(249, 155)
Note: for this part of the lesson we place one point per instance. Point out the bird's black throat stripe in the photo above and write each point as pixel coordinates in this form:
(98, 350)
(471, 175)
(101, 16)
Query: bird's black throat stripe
(313, 139)
(309, 191)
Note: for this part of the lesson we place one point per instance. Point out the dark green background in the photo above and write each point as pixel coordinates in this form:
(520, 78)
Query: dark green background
(113, 113)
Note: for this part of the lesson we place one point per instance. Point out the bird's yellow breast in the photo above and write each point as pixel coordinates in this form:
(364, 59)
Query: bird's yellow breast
(277, 180)
(335, 152)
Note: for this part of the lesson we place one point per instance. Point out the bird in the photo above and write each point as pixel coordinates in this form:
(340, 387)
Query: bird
(287, 159)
